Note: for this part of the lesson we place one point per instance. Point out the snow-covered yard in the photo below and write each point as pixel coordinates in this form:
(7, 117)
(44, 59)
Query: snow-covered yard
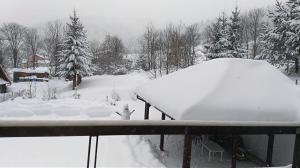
(95, 103)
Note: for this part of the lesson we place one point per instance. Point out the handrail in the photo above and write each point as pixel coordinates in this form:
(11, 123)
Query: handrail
(46, 128)
(63, 122)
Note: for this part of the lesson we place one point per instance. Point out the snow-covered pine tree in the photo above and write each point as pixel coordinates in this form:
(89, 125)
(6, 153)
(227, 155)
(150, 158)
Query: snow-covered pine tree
(293, 33)
(75, 61)
(281, 40)
(235, 35)
(219, 45)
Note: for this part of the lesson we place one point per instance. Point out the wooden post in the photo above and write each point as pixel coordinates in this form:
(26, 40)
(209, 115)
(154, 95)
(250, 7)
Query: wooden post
(296, 157)
(162, 137)
(234, 149)
(96, 152)
(187, 151)
(89, 152)
(147, 107)
(270, 150)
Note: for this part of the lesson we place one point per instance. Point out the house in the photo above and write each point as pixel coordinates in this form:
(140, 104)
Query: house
(31, 74)
(229, 90)
(4, 80)
(35, 61)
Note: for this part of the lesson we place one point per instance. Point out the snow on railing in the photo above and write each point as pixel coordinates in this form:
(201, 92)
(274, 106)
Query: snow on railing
(95, 128)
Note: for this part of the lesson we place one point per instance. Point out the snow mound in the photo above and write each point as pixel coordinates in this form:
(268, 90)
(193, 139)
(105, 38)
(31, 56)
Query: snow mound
(227, 89)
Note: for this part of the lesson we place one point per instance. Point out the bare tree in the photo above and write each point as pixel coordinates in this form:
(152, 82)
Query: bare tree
(255, 27)
(1, 50)
(52, 43)
(192, 40)
(32, 42)
(13, 32)
(109, 55)
(245, 36)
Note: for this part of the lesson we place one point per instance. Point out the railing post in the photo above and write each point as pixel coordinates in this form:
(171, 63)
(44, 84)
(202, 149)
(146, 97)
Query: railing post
(234, 149)
(296, 155)
(162, 137)
(147, 106)
(270, 150)
(96, 152)
(187, 151)
(89, 152)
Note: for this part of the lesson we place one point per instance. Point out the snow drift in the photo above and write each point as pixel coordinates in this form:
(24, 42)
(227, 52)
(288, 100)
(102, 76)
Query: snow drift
(227, 89)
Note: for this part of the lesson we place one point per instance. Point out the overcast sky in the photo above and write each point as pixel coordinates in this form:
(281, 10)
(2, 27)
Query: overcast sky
(126, 18)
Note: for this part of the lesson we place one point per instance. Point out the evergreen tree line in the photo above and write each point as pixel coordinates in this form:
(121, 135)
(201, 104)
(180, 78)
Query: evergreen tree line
(272, 36)
(236, 36)
(174, 47)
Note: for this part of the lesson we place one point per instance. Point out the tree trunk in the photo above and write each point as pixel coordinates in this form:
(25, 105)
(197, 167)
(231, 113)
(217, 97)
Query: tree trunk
(296, 65)
(74, 82)
(1, 57)
(33, 61)
(15, 57)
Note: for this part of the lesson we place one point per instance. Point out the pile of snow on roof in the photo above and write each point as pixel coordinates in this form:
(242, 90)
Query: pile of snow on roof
(225, 90)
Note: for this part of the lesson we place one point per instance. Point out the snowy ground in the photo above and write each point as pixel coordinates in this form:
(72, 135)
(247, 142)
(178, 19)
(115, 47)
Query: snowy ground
(94, 103)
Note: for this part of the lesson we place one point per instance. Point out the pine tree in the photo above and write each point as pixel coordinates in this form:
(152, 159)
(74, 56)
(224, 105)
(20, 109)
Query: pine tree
(281, 41)
(235, 35)
(293, 33)
(219, 45)
(75, 61)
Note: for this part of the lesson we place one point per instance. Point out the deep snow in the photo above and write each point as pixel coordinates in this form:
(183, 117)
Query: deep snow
(95, 103)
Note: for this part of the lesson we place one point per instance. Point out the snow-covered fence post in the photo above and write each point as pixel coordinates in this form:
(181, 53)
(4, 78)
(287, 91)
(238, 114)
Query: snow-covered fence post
(187, 150)
(270, 150)
(147, 107)
(296, 155)
(162, 136)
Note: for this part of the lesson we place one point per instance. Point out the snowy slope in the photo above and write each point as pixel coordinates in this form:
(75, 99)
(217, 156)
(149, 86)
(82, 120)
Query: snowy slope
(225, 89)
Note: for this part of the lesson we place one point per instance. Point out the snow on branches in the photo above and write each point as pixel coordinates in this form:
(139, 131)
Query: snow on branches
(75, 56)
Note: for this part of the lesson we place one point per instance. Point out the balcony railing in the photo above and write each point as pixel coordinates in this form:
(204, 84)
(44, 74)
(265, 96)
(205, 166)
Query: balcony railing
(38, 128)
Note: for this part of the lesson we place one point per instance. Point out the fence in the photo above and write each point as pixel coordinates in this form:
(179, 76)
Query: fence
(187, 128)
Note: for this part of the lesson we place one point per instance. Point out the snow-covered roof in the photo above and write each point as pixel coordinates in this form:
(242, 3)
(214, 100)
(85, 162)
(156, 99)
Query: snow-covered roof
(31, 70)
(2, 81)
(225, 90)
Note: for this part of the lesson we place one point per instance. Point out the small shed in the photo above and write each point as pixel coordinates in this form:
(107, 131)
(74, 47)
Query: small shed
(4, 80)
(30, 74)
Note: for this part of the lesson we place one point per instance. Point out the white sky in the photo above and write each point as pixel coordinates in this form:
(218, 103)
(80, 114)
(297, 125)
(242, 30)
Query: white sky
(126, 18)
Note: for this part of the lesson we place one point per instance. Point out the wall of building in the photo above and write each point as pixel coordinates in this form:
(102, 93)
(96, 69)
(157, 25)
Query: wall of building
(282, 151)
